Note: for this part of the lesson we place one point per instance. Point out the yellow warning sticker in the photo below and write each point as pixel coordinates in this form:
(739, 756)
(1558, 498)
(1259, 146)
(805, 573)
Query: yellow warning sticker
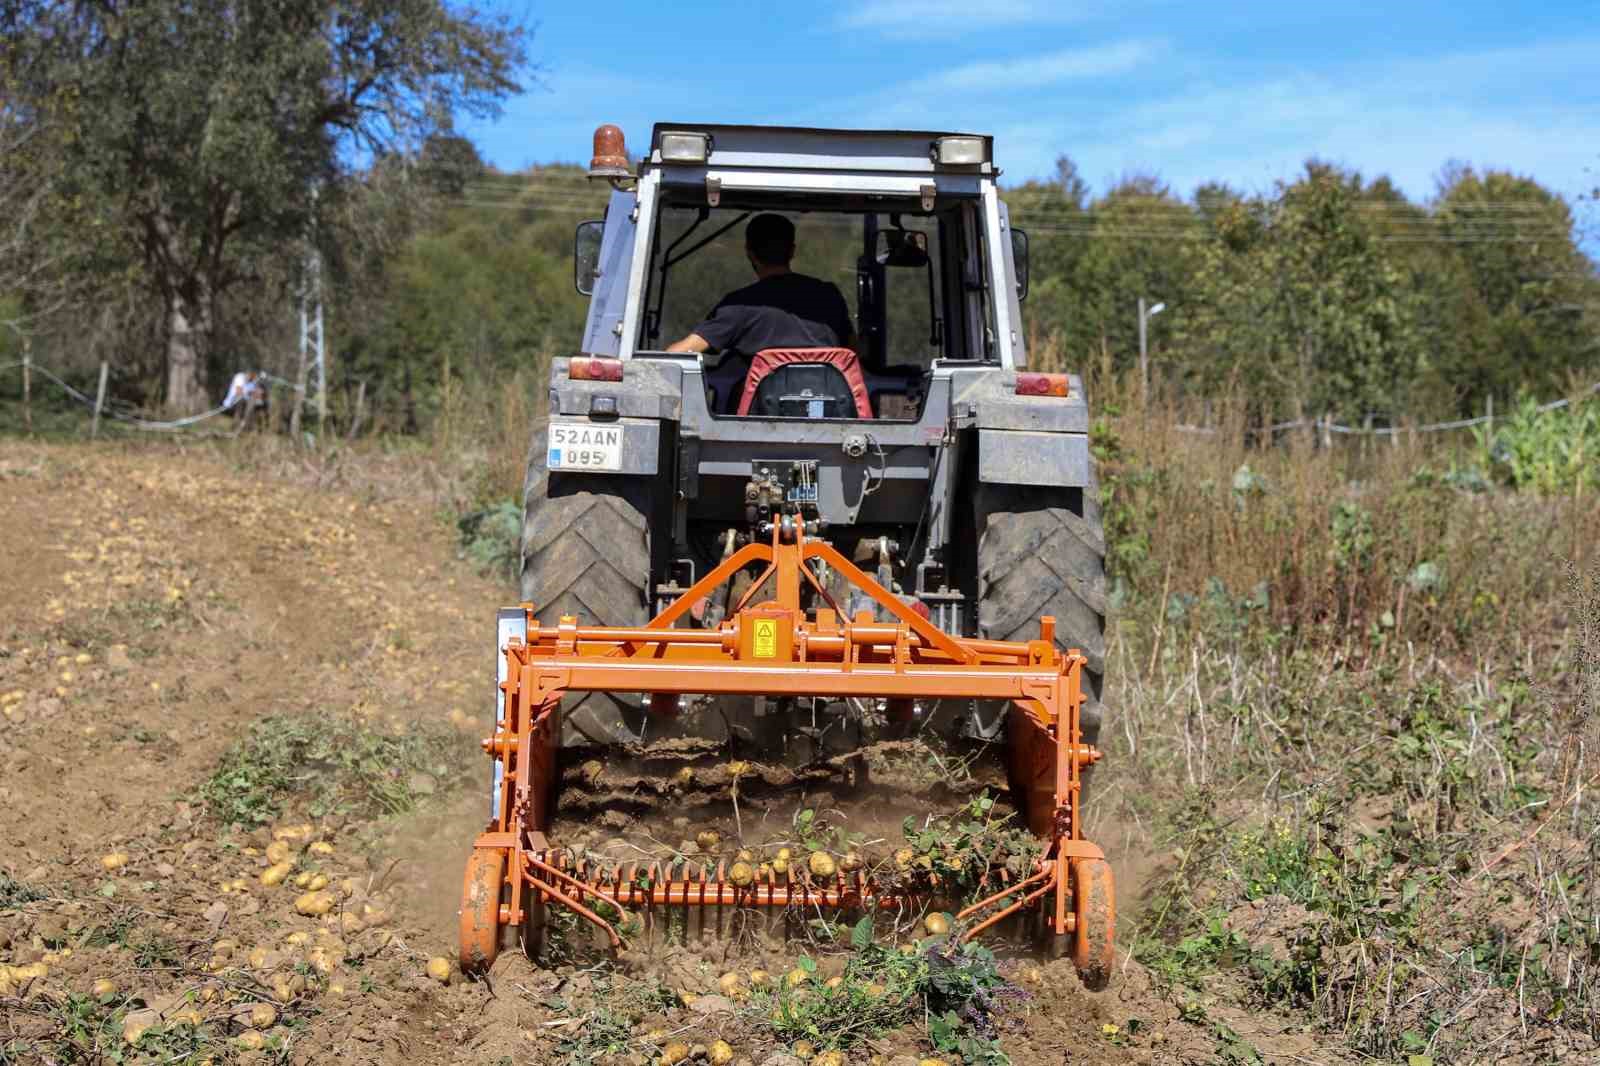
(765, 644)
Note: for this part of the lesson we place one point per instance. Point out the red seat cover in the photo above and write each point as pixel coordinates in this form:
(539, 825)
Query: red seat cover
(843, 359)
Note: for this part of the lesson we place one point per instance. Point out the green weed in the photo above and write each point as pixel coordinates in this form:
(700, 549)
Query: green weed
(333, 764)
(15, 892)
(957, 988)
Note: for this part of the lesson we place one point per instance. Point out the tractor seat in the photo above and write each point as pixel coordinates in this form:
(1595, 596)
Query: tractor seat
(805, 383)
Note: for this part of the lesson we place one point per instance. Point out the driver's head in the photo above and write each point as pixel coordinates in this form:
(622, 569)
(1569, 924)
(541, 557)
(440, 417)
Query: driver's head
(769, 239)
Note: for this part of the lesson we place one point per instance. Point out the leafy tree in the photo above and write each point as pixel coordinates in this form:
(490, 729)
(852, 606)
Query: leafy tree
(1297, 302)
(1522, 286)
(198, 130)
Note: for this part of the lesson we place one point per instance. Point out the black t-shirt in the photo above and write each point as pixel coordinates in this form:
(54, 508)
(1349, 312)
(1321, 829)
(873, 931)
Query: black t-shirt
(783, 311)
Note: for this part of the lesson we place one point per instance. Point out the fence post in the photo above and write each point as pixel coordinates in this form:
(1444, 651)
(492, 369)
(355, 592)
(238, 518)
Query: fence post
(1366, 435)
(99, 400)
(361, 404)
(298, 402)
(1327, 430)
(1491, 417)
(27, 384)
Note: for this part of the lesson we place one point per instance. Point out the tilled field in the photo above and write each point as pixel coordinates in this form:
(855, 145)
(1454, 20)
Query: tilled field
(238, 783)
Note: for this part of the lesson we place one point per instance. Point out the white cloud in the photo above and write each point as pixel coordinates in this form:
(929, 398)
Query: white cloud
(1038, 71)
(923, 18)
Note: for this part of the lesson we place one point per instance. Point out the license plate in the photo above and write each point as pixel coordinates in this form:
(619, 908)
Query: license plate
(581, 446)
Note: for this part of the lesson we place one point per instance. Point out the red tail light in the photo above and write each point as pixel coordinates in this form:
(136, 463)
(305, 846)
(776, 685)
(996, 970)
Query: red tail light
(1043, 385)
(594, 368)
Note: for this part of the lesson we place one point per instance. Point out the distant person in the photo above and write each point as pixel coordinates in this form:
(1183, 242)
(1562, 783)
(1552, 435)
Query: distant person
(246, 393)
(782, 309)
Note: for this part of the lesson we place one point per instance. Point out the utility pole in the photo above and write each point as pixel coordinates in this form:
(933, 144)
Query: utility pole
(313, 349)
(1144, 356)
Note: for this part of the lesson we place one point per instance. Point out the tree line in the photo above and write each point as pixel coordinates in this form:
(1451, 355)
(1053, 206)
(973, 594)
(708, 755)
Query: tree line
(169, 169)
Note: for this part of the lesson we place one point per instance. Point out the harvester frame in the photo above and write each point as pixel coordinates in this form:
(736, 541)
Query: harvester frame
(669, 487)
(773, 648)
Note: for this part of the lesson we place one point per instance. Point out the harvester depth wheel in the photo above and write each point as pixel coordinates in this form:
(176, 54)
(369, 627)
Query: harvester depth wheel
(481, 892)
(586, 552)
(1094, 906)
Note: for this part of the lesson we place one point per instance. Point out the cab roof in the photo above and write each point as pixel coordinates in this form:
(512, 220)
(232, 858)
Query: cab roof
(809, 148)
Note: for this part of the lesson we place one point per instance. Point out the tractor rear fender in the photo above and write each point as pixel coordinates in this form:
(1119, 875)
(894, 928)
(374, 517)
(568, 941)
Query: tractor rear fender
(1026, 439)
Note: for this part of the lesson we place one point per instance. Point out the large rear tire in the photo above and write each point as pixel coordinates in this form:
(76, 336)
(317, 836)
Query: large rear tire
(586, 552)
(1042, 552)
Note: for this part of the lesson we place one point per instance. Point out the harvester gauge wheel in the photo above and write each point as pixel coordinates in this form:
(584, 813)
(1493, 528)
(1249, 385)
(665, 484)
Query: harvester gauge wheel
(1095, 909)
(480, 909)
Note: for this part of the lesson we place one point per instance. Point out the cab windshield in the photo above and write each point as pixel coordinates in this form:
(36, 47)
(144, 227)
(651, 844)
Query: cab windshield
(902, 275)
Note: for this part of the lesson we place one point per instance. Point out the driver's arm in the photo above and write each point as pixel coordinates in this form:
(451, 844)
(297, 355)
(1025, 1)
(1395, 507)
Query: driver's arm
(692, 343)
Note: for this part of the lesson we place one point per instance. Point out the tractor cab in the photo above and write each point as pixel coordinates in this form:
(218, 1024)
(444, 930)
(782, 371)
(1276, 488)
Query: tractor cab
(900, 224)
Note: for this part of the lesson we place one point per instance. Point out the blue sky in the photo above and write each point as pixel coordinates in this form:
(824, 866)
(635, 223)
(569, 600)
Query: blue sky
(1237, 92)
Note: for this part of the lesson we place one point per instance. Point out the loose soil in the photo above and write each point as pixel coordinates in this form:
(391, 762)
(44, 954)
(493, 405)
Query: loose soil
(155, 601)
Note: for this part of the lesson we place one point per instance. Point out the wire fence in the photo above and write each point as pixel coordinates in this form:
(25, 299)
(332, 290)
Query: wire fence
(1323, 425)
(1328, 426)
(120, 412)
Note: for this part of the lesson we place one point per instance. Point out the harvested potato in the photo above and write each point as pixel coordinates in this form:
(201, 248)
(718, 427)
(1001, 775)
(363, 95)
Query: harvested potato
(278, 851)
(302, 879)
(133, 1031)
(188, 1016)
(931, 1062)
(439, 969)
(251, 1040)
(731, 985)
(321, 847)
(287, 987)
(821, 864)
(115, 860)
(104, 988)
(297, 937)
(904, 857)
(850, 862)
(316, 904)
(318, 882)
(741, 874)
(720, 1053)
(673, 1053)
(829, 1058)
(795, 977)
(745, 855)
(785, 854)
(833, 983)
(337, 989)
(804, 1050)
(759, 977)
(275, 874)
(936, 924)
(708, 840)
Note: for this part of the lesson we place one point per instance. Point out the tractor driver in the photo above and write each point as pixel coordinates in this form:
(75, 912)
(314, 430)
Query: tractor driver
(782, 309)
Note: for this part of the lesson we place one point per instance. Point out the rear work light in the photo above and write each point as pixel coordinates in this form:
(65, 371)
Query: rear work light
(594, 368)
(1043, 385)
(681, 147)
(958, 151)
